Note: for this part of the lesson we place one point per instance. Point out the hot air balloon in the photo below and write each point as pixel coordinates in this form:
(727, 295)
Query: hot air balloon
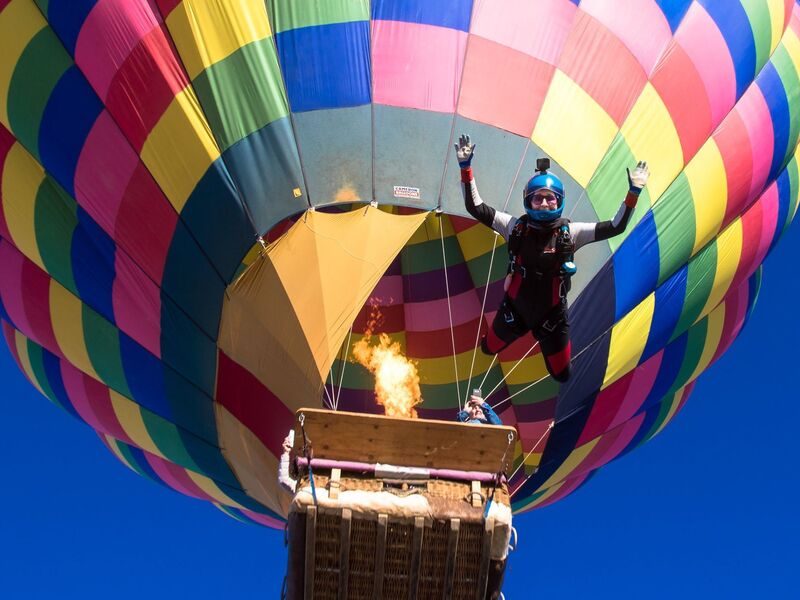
(204, 200)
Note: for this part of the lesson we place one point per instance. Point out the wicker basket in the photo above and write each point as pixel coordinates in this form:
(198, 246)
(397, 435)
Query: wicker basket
(372, 538)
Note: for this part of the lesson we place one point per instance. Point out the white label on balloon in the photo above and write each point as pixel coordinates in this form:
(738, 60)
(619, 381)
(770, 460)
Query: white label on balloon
(403, 191)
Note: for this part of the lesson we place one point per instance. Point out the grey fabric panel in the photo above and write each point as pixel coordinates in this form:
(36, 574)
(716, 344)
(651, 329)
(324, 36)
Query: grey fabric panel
(410, 152)
(336, 151)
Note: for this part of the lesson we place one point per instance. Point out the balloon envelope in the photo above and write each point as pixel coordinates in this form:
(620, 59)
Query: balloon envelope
(147, 144)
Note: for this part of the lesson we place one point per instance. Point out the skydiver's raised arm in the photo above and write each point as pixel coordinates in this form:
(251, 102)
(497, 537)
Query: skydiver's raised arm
(489, 216)
(586, 233)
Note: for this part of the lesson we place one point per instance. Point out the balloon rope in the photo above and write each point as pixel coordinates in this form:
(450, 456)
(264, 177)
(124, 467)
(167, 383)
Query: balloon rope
(449, 308)
(522, 464)
(530, 385)
(344, 364)
(533, 383)
(328, 396)
(553, 422)
(485, 375)
(480, 318)
(332, 379)
(519, 362)
(332, 393)
(517, 393)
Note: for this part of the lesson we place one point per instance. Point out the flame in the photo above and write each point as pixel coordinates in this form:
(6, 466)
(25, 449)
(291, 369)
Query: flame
(396, 377)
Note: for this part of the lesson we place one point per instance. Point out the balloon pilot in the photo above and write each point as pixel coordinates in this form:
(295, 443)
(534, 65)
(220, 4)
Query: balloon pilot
(476, 411)
(541, 248)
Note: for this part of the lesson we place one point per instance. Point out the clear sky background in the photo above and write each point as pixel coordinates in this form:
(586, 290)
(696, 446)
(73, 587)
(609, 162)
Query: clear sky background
(709, 508)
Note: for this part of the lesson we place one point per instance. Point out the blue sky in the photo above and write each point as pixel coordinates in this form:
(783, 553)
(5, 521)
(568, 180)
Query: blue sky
(708, 508)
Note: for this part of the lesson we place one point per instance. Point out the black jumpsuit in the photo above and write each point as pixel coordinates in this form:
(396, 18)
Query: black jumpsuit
(536, 288)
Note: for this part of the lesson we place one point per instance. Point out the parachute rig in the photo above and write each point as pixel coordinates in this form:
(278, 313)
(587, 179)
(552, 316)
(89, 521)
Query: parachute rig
(397, 508)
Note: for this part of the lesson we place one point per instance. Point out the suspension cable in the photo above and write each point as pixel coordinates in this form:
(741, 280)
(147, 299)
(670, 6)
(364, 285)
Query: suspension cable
(485, 375)
(533, 383)
(553, 422)
(328, 396)
(345, 353)
(522, 464)
(332, 394)
(449, 308)
(480, 317)
(518, 392)
(519, 362)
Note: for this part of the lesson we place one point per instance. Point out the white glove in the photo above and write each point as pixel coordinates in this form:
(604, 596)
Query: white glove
(464, 151)
(638, 179)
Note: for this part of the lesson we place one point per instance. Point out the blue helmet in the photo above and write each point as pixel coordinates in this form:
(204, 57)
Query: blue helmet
(543, 181)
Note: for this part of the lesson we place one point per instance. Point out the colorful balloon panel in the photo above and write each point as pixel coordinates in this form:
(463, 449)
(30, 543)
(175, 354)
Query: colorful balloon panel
(144, 147)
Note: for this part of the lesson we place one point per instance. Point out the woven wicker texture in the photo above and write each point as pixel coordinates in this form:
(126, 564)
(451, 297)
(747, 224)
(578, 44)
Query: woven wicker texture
(397, 565)
(326, 569)
(362, 558)
(434, 561)
(468, 558)
(398, 561)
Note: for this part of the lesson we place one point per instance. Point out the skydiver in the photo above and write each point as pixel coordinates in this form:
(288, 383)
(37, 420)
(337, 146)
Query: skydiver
(541, 245)
(477, 411)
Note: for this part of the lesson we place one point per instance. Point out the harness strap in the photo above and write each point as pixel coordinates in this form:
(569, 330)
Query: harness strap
(561, 239)
(554, 318)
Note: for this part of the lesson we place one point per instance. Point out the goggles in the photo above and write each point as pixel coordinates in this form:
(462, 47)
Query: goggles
(543, 197)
